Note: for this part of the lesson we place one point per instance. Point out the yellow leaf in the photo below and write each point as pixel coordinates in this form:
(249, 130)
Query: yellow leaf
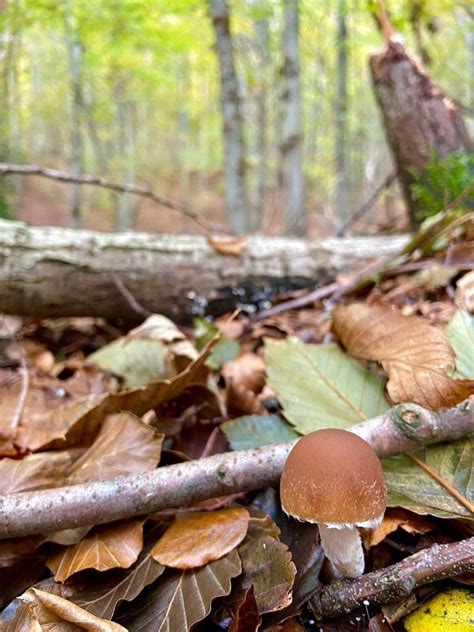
(451, 610)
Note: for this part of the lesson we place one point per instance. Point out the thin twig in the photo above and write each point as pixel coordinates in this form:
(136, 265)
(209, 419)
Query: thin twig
(397, 581)
(296, 303)
(367, 205)
(128, 296)
(25, 385)
(403, 428)
(444, 483)
(60, 176)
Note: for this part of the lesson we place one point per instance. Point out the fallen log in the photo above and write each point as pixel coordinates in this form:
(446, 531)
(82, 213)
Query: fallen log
(55, 272)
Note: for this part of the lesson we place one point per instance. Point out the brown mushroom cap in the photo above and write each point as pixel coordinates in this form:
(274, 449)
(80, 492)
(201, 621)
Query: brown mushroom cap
(333, 477)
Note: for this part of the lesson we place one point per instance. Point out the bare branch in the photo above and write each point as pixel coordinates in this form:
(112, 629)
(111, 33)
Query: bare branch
(367, 205)
(397, 581)
(60, 176)
(401, 429)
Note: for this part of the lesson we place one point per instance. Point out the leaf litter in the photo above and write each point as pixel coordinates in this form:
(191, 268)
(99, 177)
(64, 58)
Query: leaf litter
(155, 393)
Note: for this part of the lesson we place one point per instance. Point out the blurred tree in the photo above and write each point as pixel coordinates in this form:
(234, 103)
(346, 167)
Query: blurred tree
(341, 114)
(235, 159)
(291, 147)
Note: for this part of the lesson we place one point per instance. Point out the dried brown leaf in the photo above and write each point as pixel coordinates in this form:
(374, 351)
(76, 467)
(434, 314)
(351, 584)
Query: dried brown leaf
(50, 612)
(227, 244)
(412, 352)
(75, 423)
(246, 618)
(102, 596)
(14, 549)
(36, 471)
(199, 538)
(267, 564)
(183, 598)
(109, 546)
(124, 445)
(396, 518)
(245, 379)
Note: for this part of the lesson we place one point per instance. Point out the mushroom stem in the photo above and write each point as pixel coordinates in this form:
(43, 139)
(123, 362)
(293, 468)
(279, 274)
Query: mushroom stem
(343, 547)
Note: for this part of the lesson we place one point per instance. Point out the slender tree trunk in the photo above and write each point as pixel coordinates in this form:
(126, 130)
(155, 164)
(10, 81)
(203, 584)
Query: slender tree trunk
(75, 61)
(4, 107)
(14, 109)
(340, 107)
(291, 148)
(126, 209)
(234, 148)
(261, 136)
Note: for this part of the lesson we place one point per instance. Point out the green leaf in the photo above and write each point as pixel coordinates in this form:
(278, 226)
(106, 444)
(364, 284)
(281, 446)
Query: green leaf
(225, 350)
(320, 386)
(137, 361)
(253, 431)
(411, 487)
(460, 332)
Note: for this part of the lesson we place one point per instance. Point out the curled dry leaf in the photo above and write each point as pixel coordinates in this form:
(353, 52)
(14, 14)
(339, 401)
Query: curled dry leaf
(183, 598)
(199, 538)
(394, 519)
(228, 244)
(412, 352)
(124, 445)
(245, 379)
(45, 611)
(105, 547)
(246, 618)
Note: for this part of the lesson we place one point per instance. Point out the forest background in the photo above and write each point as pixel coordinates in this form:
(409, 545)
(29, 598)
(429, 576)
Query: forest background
(130, 90)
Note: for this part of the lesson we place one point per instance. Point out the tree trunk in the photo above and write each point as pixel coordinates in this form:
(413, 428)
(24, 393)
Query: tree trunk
(234, 148)
(261, 136)
(292, 177)
(75, 61)
(54, 272)
(419, 119)
(340, 107)
(127, 203)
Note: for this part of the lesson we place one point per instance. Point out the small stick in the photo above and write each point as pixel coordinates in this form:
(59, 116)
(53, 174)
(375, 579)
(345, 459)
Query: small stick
(439, 479)
(25, 385)
(401, 429)
(60, 176)
(128, 296)
(395, 582)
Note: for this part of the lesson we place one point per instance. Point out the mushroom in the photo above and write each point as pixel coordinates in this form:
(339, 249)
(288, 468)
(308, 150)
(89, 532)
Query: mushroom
(334, 478)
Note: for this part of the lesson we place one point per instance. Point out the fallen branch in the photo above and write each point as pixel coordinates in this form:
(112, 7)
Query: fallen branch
(400, 429)
(60, 176)
(395, 582)
(367, 205)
